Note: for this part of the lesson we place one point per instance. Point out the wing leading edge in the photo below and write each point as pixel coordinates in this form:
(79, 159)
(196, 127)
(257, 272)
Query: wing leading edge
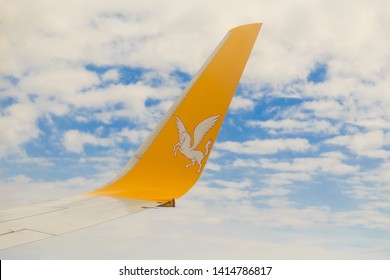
(174, 161)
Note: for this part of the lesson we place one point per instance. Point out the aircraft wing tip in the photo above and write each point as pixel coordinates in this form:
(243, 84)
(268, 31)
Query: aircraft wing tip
(256, 25)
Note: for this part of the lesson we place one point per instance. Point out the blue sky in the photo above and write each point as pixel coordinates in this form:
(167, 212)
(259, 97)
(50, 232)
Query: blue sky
(300, 168)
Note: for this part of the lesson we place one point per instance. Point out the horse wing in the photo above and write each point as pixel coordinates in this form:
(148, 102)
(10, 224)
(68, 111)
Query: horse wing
(202, 128)
(180, 126)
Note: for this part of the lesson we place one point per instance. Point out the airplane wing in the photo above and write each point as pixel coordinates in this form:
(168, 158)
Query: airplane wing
(30, 223)
(153, 176)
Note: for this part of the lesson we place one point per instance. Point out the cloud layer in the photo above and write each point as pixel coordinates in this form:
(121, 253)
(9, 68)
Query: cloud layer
(300, 168)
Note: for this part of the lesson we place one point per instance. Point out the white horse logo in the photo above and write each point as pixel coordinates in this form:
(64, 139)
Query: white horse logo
(184, 144)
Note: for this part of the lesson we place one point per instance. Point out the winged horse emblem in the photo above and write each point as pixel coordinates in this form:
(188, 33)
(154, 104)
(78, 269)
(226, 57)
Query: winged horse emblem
(185, 139)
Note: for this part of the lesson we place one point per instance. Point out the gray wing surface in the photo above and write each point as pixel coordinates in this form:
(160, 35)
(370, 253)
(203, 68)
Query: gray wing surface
(31, 223)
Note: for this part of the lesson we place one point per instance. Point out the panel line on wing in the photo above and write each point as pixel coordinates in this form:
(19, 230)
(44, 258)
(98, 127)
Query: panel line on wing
(34, 215)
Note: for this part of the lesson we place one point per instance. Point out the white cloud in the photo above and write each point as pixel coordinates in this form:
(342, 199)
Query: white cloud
(75, 140)
(381, 174)
(111, 75)
(133, 135)
(286, 178)
(374, 122)
(324, 108)
(306, 165)
(370, 144)
(207, 193)
(272, 191)
(326, 165)
(295, 126)
(236, 185)
(269, 146)
(21, 189)
(213, 166)
(18, 125)
(42, 161)
(245, 163)
(60, 81)
(368, 218)
(241, 104)
(337, 155)
(283, 203)
(131, 97)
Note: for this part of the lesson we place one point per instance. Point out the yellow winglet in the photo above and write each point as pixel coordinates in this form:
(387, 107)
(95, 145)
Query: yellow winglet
(173, 156)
